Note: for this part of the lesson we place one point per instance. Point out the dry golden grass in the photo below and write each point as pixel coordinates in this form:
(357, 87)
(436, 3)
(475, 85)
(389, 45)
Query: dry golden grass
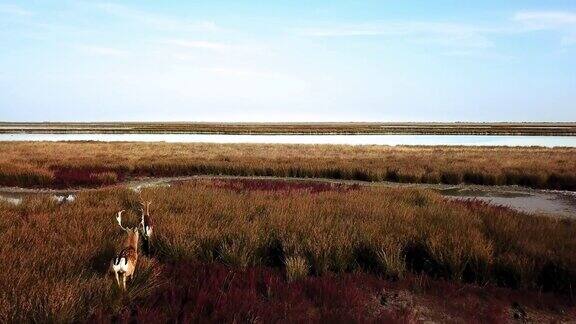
(55, 256)
(94, 164)
(296, 268)
(55, 259)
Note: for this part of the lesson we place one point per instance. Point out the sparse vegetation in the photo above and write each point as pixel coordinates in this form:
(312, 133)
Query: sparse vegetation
(76, 164)
(349, 239)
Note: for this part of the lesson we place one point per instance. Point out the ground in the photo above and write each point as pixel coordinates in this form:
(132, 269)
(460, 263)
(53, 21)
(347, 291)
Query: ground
(229, 250)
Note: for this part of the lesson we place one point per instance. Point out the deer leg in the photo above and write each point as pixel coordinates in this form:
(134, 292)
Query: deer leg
(124, 281)
(117, 279)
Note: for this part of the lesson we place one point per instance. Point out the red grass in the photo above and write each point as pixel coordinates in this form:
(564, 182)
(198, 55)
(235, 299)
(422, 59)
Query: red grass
(86, 177)
(216, 293)
(201, 292)
(240, 185)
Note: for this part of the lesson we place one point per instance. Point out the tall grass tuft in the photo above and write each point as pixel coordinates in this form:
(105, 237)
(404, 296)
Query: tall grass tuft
(296, 268)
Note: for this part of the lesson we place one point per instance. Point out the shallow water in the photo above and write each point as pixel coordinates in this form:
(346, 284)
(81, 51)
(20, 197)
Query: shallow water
(16, 197)
(546, 202)
(12, 198)
(427, 140)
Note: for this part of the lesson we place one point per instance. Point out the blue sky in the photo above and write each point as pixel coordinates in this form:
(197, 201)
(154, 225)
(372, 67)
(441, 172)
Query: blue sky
(288, 60)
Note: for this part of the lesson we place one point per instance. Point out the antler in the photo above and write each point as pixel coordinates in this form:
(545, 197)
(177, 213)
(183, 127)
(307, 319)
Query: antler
(119, 220)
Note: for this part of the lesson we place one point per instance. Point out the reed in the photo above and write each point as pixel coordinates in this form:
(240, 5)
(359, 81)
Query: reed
(384, 231)
(87, 164)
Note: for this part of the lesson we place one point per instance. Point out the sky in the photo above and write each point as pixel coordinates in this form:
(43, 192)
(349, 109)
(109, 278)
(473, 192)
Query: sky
(389, 61)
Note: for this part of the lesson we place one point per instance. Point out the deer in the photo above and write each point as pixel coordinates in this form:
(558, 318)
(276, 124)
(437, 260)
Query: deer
(146, 222)
(146, 226)
(124, 262)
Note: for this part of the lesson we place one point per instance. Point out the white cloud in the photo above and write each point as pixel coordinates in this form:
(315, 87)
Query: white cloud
(102, 50)
(546, 19)
(562, 22)
(184, 56)
(444, 34)
(457, 35)
(15, 10)
(474, 54)
(244, 72)
(188, 45)
(199, 44)
(160, 22)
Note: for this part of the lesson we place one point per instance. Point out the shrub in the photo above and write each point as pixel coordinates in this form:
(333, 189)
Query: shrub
(296, 268)
(237, 254)
(392, 259)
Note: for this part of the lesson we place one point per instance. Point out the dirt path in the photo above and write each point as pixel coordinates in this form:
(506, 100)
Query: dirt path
(532, 201)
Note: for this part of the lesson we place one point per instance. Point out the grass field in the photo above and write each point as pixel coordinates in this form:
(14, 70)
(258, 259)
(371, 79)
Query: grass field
(92, 164)
(256, 251)
(298, 128)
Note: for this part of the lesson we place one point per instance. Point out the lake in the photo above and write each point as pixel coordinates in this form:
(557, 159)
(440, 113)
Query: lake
(426, 140)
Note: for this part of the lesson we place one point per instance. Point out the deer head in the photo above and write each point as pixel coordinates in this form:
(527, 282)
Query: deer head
(133, 233)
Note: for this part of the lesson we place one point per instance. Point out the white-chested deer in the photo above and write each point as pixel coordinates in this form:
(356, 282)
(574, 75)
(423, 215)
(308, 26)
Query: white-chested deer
(124, 262)
(146, 222)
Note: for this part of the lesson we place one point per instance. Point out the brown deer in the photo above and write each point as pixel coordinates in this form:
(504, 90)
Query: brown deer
(146, 222)
(124, 263)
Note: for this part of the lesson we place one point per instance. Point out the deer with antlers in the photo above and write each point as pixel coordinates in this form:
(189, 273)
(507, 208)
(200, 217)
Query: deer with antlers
(124, 263)
(146, 222)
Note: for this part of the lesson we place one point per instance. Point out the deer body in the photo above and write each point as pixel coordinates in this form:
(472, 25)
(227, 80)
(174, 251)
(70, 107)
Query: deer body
(123, 264)
(146, 222)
